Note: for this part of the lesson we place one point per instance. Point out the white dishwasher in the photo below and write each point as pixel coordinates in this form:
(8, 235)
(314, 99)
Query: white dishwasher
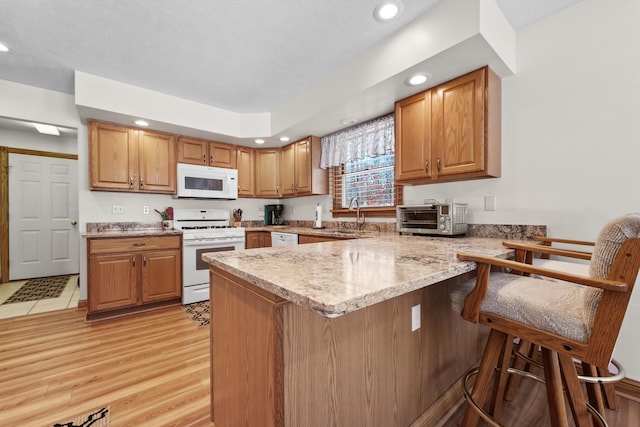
(283, 239)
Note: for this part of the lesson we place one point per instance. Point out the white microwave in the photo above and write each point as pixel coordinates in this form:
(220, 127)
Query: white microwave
(206, 182)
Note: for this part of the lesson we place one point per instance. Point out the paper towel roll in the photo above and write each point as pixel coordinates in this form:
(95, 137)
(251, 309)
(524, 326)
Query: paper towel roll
(318, 216)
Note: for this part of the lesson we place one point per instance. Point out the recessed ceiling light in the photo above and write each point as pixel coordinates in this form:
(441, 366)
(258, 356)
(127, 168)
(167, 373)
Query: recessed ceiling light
(348, 121)
(387, 10)
(141, 123)
(417, 79)
(3, 48)
(47, 129)
(284, 139)
(259, 141)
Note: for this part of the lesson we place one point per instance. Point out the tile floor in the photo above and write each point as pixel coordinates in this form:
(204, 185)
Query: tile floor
(68, 299)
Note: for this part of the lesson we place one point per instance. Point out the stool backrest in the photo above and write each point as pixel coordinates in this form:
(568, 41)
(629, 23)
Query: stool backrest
(616, 257)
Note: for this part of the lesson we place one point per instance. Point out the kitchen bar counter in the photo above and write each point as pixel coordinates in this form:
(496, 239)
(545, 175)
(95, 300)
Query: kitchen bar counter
(344, 276)
(347, 333)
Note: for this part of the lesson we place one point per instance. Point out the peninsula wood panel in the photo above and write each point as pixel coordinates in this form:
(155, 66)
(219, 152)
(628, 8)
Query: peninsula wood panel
(246, 340)
(368, 368)
(276, 363)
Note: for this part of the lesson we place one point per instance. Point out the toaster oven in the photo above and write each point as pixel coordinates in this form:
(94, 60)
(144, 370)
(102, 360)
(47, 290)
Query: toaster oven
(447, 219)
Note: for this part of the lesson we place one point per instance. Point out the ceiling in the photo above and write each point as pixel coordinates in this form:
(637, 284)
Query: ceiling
(244, 56)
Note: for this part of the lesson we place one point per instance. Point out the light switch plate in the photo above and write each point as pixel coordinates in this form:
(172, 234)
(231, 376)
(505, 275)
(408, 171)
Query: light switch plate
(490, 203)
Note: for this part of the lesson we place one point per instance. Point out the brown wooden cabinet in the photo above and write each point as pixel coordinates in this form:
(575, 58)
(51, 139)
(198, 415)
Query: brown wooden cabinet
(450, 132)
(267, 176)
(129, 159)
(257, 239)
(308, 238)
(300, 172)
(207, 153)
(129, 273)
(246, 171)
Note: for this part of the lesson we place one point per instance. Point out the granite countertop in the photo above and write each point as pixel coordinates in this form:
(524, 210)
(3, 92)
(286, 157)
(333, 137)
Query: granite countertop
(340, 277)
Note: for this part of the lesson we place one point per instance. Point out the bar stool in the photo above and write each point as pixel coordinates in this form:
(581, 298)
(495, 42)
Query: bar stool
(579, 319)
(600, 387)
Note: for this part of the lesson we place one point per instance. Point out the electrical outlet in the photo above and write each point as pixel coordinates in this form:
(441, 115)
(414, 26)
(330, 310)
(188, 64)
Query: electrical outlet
(145, 210)
(117, 209)
(415, 317)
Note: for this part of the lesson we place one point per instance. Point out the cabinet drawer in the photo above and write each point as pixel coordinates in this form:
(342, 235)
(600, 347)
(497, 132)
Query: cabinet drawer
(128, 244)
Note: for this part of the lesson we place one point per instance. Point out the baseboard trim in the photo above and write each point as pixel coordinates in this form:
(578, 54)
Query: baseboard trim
(629, 388)
(443, 408)
(83, 304)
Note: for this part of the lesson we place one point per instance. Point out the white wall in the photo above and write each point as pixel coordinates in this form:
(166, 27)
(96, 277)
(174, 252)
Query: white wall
(34, 141)
(570, 138)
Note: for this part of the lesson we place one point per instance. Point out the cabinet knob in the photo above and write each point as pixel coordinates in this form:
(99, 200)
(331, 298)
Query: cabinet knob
(438, 164)
(144, 260)
(204, 158)
(141, 182)
(133, 260)
(131, 181)
(426, 166)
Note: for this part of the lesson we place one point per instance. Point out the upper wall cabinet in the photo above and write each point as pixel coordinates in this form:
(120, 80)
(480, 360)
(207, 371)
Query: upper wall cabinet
(208, 153)
(267, 176)
(300, 172)
(129, 159)
(450, 132)
(246, 161)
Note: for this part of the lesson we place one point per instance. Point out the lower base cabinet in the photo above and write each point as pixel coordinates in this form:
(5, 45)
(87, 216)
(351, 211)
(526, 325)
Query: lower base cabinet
(133, 273)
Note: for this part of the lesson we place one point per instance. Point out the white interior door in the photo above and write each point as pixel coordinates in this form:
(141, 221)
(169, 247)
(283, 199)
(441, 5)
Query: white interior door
(43, 215)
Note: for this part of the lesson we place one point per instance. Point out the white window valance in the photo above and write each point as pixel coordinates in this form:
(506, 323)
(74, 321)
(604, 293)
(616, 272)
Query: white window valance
(370, 139)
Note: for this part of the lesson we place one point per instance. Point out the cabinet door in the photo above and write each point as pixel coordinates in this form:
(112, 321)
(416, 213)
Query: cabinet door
(253, 239)
(246, 168)
(303, 167)
(222, 155)
(161, 275)
(458, 125)
(287, 170)
(157, 162)
(113, 281)
(413, 138)
(267, 177)
(266, 239)
(113, 157)
(193, 151)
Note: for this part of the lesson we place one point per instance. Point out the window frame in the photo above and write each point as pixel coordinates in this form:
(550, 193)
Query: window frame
(335, 184)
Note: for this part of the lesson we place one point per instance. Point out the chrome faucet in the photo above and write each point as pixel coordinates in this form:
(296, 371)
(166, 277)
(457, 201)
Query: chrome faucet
(359, 222)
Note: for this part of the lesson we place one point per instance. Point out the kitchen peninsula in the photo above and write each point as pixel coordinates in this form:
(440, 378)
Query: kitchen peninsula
(328, 334)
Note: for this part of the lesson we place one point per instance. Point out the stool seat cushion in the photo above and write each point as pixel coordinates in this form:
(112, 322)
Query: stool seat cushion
(565, 309)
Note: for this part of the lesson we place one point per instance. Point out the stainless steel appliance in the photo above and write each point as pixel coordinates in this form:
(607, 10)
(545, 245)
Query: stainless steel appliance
(448, 219)
(283, 239)
(206, 182)
(203, 231)
(273, 215)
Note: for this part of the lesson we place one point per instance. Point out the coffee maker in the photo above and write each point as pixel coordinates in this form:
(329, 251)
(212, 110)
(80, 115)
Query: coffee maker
(273, 215)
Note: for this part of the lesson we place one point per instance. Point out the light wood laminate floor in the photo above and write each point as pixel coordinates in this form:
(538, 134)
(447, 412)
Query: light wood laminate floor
(152, 369)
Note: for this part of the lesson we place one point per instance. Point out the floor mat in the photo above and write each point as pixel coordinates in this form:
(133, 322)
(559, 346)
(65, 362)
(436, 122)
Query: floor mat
(97, 418)
(41, 288)
(199, 312)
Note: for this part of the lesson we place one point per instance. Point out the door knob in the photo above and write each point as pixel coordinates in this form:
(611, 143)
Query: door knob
(74, 222)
